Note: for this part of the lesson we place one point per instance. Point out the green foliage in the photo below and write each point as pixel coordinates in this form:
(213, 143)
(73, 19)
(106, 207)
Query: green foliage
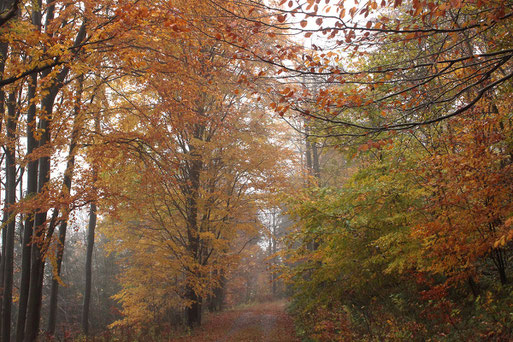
(410, 247)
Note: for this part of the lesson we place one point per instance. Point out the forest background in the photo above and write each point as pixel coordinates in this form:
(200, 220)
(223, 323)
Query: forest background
(354, 156)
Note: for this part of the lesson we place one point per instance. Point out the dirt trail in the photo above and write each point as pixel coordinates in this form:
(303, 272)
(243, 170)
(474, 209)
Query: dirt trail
(252, 326)
(266, 322)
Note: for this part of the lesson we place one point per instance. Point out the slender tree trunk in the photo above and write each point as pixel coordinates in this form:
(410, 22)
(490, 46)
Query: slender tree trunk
(3, 57)
(216, 300)
(39, 236)
(2, 260)
(32, 175)
(193, 312)
(500, 263)
(308, 152)
(10, 199)
(88, 269)
(29, 222)
(90, 248)
(66, 188)
(274, 287)
(2, 269)
(220, 292)
(316, 168)
(37, 258)
(309, 168)
(37, 263)
(313, 169)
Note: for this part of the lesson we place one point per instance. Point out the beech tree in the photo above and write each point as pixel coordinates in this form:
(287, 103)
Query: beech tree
(201, 181)
(445, 58)
(54, 55)
(162, 119)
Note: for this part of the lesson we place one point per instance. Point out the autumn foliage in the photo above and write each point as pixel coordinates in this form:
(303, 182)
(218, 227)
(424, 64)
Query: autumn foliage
(416, 243)
(354, 155)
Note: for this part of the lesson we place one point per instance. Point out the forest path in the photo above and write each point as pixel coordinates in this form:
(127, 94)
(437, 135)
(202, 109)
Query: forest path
(266, 322)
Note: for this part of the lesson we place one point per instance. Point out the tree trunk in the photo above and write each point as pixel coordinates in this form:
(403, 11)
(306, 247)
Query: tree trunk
(216, 300)
(29, 222)
(66, 189)
(2, 266)
(3, 56)
(193, 312)
(10, 199)
(90, 248)
(37, 263)
(32, 176)
(274, 288)
(500, 263)
(308, 152)
(39, 236)
(88, 269)
(32, 170)
(316, 168)
(37, 258)
(313, 169)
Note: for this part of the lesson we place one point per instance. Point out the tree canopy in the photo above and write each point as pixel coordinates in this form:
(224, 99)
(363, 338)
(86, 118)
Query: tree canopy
(354, 156)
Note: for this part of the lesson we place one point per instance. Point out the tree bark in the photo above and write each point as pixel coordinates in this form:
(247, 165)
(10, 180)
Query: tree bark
(274, 288)
(29, 222)
(10, 199)
(193, 312)
(217, 299)
(37, 263)
(90, 248)
(66, 189)
(500, 263)
(313, 169)
(32, 170)
(3, 56)
(39, 235)
(2, 267)
(316, 168)
(88, 268)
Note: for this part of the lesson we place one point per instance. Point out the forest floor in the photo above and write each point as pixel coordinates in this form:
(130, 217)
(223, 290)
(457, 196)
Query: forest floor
(266, 322)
